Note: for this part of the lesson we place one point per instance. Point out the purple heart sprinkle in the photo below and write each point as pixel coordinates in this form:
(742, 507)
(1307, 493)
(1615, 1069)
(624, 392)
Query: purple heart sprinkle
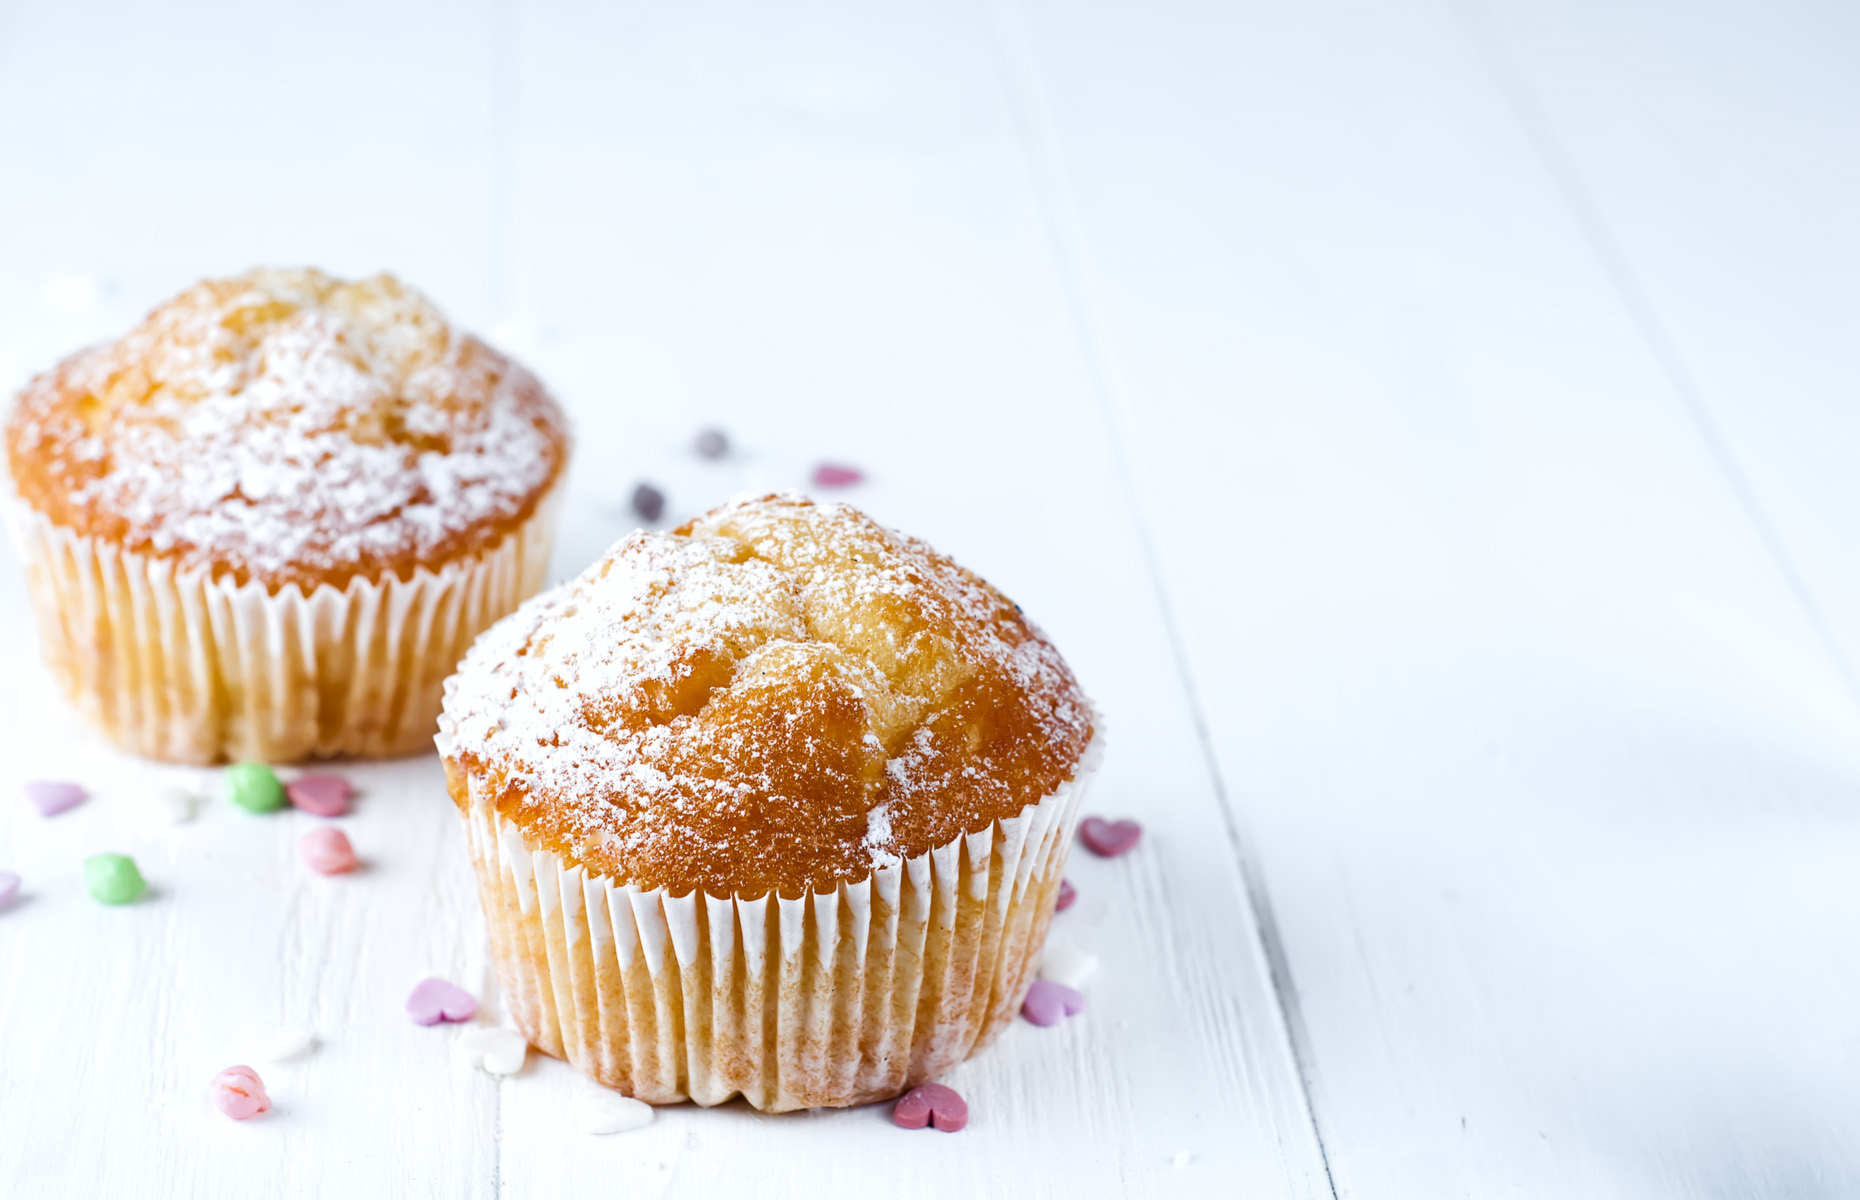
(1049, 1003)
(9, 887)
(931, 1104)
(1067, 894)
(435, 1000)
(52, 797)
(835, 475)
(323, 795)
(1109, 838)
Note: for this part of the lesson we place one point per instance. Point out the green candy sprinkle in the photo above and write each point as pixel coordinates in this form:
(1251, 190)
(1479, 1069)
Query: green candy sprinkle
(113, 878)
(253, 787)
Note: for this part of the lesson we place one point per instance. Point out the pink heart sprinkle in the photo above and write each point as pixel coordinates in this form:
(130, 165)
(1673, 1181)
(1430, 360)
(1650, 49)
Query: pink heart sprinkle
(835, 475)
(321, 795)
(52, 797)
(1067, 894)
(239, 1093)
(9, 887)
(931, 1104)
(327, 851)
(1109, 838)
(1049, 1003)
(435, 1000)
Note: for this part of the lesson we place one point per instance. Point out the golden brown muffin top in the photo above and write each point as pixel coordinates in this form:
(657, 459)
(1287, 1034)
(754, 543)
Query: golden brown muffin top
(780, 694)
(289, 427)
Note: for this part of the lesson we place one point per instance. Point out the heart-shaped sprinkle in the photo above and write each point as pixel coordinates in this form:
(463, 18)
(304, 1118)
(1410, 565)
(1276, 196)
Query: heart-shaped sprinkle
(274, 1044)
(171, 806)
(836, 475)
(327, 851)
(320, 795)
(499, 1051)
(931, 1104)
(1067, 894)
(113, 878)
(600, 1111)
(1067, 964)
(1109, 838)
(648, 502)
(9, 887)
(239, 1093)
(52, 797)
(435, 1000)
(1049, 1003)
(713, 443)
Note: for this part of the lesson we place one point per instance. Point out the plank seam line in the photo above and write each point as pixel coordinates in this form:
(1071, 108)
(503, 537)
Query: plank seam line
(1638, 302)
(1064, 226)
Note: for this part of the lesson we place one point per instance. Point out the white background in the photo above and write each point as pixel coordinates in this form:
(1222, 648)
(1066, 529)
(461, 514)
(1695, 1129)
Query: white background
(1428, 427)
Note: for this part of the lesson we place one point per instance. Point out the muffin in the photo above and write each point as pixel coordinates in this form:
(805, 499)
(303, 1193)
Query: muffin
(774, 805)
(268, 522)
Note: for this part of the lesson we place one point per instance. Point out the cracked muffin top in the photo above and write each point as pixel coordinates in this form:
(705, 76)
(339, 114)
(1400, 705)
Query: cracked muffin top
(780, 695)
(288, 427)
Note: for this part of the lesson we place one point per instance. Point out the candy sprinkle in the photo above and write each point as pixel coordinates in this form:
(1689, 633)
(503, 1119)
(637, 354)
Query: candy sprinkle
(239, 1093)
(1067, 894)
(712, 443)
(9, 887)
(320, 795)
(1109, 839)
(327, 851)
(648, 502)
(435, 1000)
(499, 1051)
(600, 1111)
(52, 797)
(254, 787)
(931, 1104)
(113, 878)
(836, 475)
(1067, 964)
(1049, 1003)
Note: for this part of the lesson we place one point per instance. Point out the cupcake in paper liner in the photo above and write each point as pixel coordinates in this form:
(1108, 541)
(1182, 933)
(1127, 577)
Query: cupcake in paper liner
(267, 522)
(775, 805)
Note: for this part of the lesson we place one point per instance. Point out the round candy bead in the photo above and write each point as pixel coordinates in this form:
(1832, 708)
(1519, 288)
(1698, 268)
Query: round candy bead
(239, 1093)
(113, 878)
(327, 851)
(648, 502)
(254, 787)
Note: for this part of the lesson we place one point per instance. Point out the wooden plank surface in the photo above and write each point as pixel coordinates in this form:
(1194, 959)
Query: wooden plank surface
(1549, 770)
(815, 228)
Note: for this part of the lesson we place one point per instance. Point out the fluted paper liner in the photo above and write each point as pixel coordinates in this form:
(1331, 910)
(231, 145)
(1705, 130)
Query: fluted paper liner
(175, 664)
(834, 998)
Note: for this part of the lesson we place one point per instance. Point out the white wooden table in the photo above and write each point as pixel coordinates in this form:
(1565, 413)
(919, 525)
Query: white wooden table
(1428, 427)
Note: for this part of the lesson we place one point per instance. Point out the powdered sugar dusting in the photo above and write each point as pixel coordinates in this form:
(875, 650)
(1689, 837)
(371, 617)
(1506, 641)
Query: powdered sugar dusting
(290, 427)
(782, 694)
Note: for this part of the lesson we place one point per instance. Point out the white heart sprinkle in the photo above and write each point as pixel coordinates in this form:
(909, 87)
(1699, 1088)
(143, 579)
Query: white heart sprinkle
(173, 806)
(609, 1112)
(274, 1043)
(499, 1051)
(1067, 964)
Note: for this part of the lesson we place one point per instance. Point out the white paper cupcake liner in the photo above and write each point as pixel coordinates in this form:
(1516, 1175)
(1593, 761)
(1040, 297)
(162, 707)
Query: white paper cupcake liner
(834, 998)
(174, 664)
